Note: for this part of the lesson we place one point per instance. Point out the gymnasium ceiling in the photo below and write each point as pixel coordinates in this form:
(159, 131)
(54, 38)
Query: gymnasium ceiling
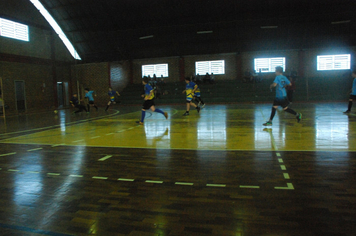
(108, 30)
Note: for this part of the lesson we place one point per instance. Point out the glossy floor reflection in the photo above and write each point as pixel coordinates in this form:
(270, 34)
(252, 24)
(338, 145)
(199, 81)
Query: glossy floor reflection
(235, 127)
(219, 172)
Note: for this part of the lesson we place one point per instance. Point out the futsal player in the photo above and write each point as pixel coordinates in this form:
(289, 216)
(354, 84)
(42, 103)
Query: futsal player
(111, 94)
(280, 83)
(190, 89)
(149, 101)
(89, 96)
(76, 103)
(198, 98)
(353, 91)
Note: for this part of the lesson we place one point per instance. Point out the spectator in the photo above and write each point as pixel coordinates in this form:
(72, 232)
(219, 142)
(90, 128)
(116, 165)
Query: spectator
(206, 78)
(212, 78)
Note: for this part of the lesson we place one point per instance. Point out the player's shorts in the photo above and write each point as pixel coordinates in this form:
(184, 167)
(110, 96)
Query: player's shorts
(112, 99)
(283, 102)
(91, 102)
(353, 97)
(147, 104)
(197, 95)
(189, 99)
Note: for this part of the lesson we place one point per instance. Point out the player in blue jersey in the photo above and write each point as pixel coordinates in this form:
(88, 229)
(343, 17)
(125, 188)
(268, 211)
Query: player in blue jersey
(90, 97)
(198, 98)
(353, 91)
(149, 101)
(280, 83)
(76, 103)
(190, 89)
(112, 94)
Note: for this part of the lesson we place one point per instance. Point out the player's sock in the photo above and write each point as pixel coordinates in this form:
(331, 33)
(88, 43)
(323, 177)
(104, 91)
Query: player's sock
(273, 112)
(159, 111)
(107, 107)
(143, 114)
(96, 107)
(291, 111)
(350, 105)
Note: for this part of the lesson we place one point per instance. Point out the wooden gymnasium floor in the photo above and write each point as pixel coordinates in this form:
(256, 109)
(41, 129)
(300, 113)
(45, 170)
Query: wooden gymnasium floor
(219, 172)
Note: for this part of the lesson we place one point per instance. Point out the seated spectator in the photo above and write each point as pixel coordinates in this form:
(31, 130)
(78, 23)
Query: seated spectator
(198, 79)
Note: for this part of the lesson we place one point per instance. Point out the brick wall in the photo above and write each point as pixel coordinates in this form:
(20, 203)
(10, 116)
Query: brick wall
(119, 75)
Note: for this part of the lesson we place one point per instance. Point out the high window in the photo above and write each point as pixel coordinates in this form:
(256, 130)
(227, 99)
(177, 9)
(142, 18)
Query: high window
(216, 67)
(157, 69)
(11, 29)
(269, 64)
(333, 62)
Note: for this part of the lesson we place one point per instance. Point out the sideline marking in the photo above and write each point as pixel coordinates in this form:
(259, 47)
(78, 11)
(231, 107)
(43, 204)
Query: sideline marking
(154, 181)
(33, 172)
(286, 175)
(105, 158)
(184, 183)
(109, 134)
(35, 149)
(128, 180)
(98, 177)
(95, 137)
(77, 176)
(216, 185)
(278, 154)
(12, 170)
(7, 154)
(283, 167)
(56, 145)
(289, 186)
(81, 140)
(247, 186)
(280, 160)
(55, 174)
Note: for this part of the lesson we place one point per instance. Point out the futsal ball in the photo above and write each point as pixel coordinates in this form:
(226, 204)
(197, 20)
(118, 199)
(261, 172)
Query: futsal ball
(55, 111)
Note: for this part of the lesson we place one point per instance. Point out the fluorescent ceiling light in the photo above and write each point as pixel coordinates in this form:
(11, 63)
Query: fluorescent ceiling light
(56, 28)
(205, 32)
(146, 37)
(269, 27)
(340, 22)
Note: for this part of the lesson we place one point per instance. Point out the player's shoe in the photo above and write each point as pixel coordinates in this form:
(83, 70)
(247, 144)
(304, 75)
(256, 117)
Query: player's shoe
(348, 111)
(139, 122)
(186, 114)
(203, 105)
(268, 123)
(166, 115)
(199, 104)
(299, 117)
(198, 109)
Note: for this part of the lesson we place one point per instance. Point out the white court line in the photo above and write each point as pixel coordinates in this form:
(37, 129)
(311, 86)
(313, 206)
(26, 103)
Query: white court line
(184, 183)
(283, 167)
(12, 170)
(98, 177)
(35, 149)
(7, 154)
(109, 134)
(128, 180)
(56, 174)
(95, 137)
(286, 175)
(289, 186)
(105, 158)
(278, 154)
(249, 186)
(77, 176)
(216, 185)
(56, 145)
(81, 140)
(280, 160)
(154, 181)
(33, 172)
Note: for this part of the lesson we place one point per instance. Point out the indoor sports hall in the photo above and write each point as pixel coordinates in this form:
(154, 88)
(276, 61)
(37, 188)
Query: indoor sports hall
(218, 171)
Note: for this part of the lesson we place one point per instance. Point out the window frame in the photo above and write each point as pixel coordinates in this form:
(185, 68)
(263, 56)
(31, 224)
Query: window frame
(210, 67)
(271, 66)
(16, 28)
(333, 62)
(165, 75)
